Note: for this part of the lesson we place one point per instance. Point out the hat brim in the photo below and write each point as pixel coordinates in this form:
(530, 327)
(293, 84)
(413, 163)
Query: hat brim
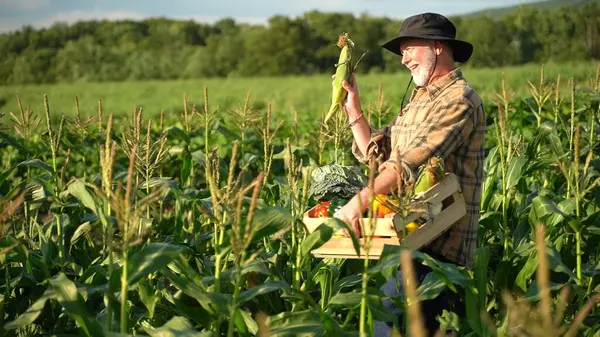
(461, 50)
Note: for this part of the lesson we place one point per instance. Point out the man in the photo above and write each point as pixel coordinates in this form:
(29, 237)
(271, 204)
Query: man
(444, 117)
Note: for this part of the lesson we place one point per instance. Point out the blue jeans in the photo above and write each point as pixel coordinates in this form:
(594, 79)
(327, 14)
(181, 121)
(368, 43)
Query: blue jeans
(429, 309)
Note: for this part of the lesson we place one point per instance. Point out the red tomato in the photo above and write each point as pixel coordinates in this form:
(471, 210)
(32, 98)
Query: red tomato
(320, 211)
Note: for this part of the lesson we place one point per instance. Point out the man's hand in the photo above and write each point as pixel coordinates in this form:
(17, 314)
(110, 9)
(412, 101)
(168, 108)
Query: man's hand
(352, 102)
(351, 213)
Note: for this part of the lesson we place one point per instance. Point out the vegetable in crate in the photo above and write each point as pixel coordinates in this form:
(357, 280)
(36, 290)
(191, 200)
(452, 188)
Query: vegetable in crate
(336, 182)
(343, 72)
(429, 174)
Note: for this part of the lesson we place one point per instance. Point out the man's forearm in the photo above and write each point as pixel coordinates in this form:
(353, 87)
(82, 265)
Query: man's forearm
(361, 131)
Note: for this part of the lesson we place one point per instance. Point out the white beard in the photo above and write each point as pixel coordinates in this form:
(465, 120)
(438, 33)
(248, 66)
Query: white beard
(422, 75)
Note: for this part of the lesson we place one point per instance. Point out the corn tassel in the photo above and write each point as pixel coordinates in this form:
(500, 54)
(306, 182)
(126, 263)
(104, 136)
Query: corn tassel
(343, 72)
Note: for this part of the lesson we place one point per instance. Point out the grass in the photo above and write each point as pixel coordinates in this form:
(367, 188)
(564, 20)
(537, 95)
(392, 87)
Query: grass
(308, 95)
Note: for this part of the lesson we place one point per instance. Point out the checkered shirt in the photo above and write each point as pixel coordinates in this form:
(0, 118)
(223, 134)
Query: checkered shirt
(445, 119)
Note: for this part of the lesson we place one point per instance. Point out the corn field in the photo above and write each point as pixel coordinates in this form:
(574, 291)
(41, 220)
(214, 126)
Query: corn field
(191, 225)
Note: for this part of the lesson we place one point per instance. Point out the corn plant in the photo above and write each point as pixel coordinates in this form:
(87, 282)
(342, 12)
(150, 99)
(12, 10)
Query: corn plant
(175, 224)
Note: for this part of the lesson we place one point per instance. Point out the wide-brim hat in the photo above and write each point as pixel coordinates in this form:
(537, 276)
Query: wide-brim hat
(431, 26)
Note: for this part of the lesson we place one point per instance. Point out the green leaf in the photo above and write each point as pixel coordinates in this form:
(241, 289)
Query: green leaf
(178, 133)
(379, 312)
(230, 135)
(186, 168)
(556, 262)
(431, 287)
(13, 142)
(270, 220)
(81, 230)
(6, 173)
(528, 270)
(214, 303)
(267, 287)
(314, 240)
(176, 326)
(149, 296)
(515, 171)
(449, 321)
(532, 293)
(160, 181)
(542, 207)
(566, 208)
(284, 153)
(593, 230)
(450, 272)
(296, 323)
(347, 300)
(245, 323)
(151, 258)
(37, 164)
(336, 224)
(78, 189)
(474, 311)
(482, 260)
(32, 313)
(70, 299)
(346, 282)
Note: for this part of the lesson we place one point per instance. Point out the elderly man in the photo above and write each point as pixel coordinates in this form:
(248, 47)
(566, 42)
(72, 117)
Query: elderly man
(444, 117)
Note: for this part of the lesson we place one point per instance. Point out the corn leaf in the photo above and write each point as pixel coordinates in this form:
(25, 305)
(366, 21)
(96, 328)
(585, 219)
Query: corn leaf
(267, 287)
(295, 323)
(71, 300)
(32, 313)
(270, 220)
(176, 326)
(150, 259)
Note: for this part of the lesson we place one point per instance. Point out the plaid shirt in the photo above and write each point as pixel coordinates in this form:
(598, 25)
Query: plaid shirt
(445, 119)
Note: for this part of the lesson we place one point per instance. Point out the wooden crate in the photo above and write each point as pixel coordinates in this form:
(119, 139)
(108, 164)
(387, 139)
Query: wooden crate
(444, 206)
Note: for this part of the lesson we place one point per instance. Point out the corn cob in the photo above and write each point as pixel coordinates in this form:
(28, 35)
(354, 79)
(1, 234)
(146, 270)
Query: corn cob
(343, 72)
(430, 174)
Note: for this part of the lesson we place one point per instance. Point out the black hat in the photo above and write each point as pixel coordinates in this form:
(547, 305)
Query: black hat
(431, 26)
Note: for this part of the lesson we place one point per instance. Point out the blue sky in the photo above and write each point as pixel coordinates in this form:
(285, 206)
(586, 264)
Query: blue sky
(42, 13)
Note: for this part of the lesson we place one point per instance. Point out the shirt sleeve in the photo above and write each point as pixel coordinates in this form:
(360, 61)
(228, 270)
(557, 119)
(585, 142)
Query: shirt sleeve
(379, 146)
(439, 135)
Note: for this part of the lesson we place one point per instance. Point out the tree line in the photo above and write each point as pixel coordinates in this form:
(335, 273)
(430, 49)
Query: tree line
(160, 48)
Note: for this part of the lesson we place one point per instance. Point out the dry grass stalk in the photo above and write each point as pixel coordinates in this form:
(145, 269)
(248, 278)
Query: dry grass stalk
(263, 328)
(323, 137)
(268, 138)
(64, 167)
(409, 280)
(10, 207)
(525, 319)
(100, 121)
(27, 123)
(543, 278)
(245, 119)
(242, 234)
(81, 126)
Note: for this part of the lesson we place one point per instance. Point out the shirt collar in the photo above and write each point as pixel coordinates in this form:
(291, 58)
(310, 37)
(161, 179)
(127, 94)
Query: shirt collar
(436, 88)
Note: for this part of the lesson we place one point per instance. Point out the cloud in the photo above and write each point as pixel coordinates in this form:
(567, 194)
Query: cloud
(13, 23)
(254, 20)
(78, 15)
(24, 5)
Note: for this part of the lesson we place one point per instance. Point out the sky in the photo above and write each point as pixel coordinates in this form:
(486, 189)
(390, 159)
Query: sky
(43, 13)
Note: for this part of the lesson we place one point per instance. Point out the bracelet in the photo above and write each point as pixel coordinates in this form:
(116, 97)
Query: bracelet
(351, 124)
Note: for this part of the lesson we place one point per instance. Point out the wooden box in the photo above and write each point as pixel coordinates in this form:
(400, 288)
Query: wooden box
(440, 207)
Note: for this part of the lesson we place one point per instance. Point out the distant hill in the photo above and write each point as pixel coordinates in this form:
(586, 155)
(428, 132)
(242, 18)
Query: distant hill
(540, 5)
